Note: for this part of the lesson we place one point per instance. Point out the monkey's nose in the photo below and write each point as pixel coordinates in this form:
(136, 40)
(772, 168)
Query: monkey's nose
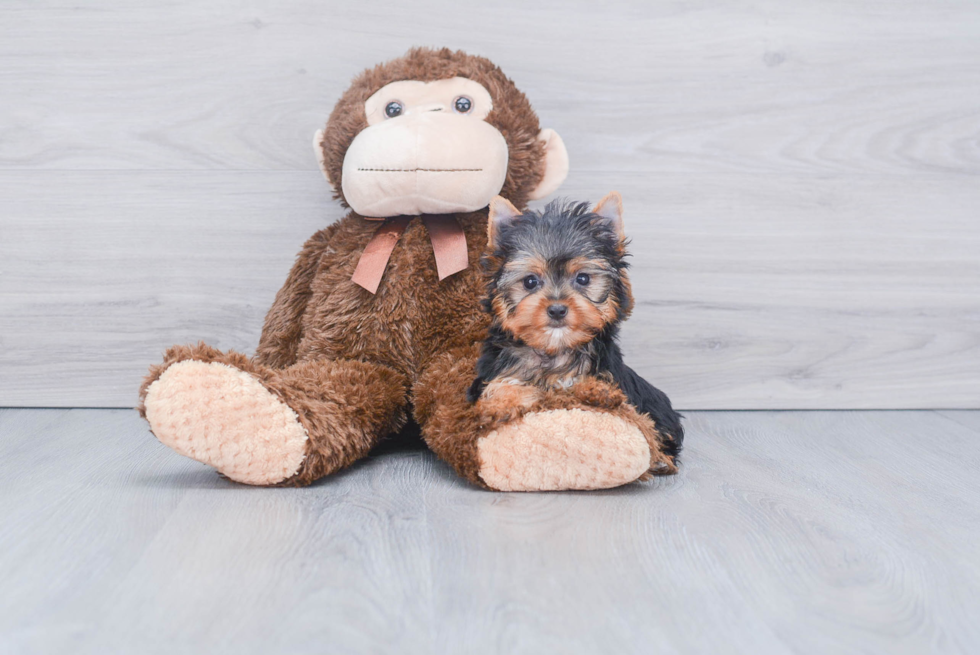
(557, 311)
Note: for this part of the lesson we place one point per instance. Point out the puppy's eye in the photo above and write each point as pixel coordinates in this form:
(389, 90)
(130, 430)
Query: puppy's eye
(462, 104)
(531, 282)
(583, 279)
(393, 108)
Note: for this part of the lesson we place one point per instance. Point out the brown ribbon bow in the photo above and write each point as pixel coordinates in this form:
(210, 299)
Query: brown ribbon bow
(448, 245)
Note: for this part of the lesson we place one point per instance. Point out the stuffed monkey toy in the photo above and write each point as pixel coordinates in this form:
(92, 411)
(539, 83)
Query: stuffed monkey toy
(379, 319)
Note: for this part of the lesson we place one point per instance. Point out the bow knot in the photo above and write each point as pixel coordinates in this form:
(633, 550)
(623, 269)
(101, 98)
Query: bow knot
(448, 245)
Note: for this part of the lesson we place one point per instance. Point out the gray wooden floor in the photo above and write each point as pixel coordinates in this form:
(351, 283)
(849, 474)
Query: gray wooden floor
(785, 532)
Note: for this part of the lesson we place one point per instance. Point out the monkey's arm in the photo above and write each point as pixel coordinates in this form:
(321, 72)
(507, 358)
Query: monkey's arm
(283, 326)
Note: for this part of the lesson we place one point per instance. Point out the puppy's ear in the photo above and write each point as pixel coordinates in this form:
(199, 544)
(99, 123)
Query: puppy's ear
(610, 210)
(502, 213)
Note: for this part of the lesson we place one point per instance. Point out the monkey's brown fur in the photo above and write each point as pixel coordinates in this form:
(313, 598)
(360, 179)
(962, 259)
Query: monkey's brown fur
(352, 364)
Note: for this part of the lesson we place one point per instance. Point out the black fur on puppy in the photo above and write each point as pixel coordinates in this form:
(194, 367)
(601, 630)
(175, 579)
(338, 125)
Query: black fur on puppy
(558, 291)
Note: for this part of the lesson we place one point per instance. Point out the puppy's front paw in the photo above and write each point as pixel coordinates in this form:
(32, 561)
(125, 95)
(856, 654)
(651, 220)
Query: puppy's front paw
(504, 400)
(597, 393)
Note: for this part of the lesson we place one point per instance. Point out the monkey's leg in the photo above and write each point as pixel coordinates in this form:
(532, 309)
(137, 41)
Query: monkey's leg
(264, 426)
(586, 440)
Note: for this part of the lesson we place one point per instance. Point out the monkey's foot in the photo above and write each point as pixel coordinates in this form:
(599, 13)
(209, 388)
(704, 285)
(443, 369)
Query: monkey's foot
(564, 449)
(224, 417)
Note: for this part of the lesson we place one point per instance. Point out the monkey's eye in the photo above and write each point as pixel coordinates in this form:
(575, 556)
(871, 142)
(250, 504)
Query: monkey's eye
(393, 108)
(462, 104)
(583, 279)
(531, 282)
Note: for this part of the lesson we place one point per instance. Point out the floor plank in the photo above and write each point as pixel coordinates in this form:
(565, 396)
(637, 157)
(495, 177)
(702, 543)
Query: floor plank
(968, 418)
(802, 532)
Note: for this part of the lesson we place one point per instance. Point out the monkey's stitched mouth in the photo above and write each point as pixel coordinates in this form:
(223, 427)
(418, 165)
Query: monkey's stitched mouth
(424, 170)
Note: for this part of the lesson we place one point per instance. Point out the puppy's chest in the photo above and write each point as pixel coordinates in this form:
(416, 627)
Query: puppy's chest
(561, 370)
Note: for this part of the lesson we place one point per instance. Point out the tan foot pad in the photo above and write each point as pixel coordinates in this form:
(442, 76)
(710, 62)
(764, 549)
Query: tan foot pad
(224, 417)
(563, 449)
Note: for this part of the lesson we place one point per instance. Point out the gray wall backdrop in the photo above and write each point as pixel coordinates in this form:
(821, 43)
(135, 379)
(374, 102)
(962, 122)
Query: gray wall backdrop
(802, 180)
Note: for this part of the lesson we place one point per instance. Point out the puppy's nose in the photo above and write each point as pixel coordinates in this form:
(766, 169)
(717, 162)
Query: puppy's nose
(557, 311)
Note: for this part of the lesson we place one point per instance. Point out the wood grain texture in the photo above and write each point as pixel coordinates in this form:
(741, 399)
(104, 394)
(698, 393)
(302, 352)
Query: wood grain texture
(785, 532)
(801, 181)
(966, 418)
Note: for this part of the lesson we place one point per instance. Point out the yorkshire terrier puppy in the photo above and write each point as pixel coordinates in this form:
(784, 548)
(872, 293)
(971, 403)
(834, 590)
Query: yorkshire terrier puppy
(558, 291)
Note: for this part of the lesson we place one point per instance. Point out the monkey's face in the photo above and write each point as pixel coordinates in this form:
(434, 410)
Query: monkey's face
(436, 131)
(427, 149)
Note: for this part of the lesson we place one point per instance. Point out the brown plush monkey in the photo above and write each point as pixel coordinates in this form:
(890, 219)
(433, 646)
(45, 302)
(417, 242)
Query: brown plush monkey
(380, 319)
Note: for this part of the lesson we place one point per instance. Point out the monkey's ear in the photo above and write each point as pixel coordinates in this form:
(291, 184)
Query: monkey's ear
(502, 212)
(318, 150)
(555, 164)
(610, 209)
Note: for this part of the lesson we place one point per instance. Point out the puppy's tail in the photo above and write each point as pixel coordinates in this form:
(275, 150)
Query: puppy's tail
(476, 390)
